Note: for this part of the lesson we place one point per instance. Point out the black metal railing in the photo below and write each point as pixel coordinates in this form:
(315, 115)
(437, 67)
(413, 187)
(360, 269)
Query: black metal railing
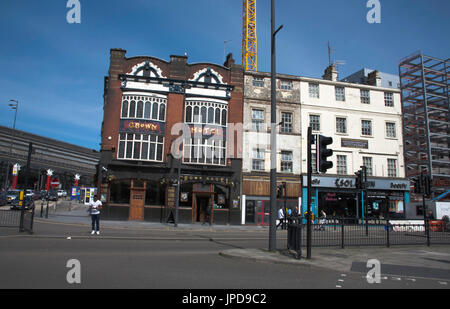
(21, 219)
(346, 232)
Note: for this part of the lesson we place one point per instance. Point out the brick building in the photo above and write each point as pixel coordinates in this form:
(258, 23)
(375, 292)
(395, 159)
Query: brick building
(148, 104)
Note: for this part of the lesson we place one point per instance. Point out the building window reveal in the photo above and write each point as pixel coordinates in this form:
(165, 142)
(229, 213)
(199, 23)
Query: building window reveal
(366, 127)
(341, 125)
(365, 96)
(389, 99)
(314, 122)
(286, 161)
(341, 165)
(340, 94)
(286, 126)
(390, 130)
(257, 120)
(258, 159)
(144, 107)
(145, 147)
(392, 167)
(314, 90)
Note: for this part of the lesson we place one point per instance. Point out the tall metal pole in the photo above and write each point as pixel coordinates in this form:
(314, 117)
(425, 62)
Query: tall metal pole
(16, 107)
(273, 139)
(308, 198)
(177, 198)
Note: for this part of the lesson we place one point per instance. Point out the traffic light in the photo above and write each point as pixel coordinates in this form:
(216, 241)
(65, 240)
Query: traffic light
(418, 185)
(324, 153)
(427, 185)
(359, 180)
(280, 191)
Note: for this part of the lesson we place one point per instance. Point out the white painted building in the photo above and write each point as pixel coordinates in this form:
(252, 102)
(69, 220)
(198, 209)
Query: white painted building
(364, 121)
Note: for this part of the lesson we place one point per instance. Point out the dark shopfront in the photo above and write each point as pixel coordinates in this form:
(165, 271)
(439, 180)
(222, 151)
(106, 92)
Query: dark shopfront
(152, 196)
(337, 196)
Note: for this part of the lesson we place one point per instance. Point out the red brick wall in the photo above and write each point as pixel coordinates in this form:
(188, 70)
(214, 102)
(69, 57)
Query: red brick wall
(176, 69)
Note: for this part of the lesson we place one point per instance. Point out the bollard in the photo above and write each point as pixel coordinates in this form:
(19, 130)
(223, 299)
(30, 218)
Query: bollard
(388, 244)
(42, 208)
(46, 210)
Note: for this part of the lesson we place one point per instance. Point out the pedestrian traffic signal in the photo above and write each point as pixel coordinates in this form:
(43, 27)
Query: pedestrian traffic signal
(324, 153)
(280, 191)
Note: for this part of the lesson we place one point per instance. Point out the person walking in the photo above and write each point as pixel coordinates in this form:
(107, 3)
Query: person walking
(280, 216)
(323, 220)
(94, 208)
(208, 214)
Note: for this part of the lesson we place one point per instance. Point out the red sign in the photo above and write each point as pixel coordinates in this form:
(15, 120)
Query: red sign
(54, 183)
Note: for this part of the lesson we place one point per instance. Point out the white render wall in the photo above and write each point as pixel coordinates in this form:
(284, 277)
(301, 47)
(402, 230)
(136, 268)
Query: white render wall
(301, 105)
(380, 147)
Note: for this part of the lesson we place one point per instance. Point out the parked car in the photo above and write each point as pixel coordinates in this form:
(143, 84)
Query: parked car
(11, 195)
(3, 199)
(52, 195)
(28, 202)
(62, 193)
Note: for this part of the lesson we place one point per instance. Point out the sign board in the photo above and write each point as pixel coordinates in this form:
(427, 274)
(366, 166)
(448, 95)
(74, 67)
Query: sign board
(54, 183)
(349, 183)
(354, 143)
(442, 209)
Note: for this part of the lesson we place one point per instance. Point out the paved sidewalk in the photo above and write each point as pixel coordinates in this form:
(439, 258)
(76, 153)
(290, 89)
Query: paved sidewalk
(415, 261)
(76, 213)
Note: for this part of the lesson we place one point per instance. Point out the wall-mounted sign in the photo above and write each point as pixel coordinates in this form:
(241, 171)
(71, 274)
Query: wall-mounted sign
(349, 183)
(354, 143)
(184, 196)
(221, 199)
(142, 126)
(208, 131)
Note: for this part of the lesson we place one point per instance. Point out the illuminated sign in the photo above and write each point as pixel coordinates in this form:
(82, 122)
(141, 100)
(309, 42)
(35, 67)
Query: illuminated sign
(142, 126)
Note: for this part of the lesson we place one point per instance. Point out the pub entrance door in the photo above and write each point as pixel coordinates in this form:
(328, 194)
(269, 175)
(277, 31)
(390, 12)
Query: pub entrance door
(137, 199)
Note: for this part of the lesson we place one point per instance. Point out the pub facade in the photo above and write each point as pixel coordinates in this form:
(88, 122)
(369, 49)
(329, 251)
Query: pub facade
(169, 124)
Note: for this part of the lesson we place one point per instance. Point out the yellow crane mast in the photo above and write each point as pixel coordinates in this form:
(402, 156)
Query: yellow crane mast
(249, 59)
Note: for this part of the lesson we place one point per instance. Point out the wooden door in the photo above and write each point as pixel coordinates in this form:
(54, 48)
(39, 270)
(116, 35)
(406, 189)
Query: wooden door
(137, 200)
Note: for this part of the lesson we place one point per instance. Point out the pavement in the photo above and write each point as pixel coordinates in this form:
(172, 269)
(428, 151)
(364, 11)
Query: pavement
(403, 261)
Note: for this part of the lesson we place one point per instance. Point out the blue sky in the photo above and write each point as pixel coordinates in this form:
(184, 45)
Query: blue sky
(56, 69)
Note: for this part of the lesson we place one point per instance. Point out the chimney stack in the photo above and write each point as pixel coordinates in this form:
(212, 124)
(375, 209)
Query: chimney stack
(374, 78)
(330, 73)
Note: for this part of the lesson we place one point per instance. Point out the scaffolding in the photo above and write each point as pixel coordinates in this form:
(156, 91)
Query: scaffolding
(424, 83)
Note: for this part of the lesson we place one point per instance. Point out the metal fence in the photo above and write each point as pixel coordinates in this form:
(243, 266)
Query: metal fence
(346, 232)
(21, 219)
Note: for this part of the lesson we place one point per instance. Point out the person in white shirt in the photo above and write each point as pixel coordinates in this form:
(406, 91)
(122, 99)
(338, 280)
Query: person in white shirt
(280, 216)
(95, 208)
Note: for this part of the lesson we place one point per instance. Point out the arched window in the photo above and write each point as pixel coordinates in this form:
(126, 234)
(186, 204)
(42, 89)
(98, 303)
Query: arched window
(125, 109)
(210, 115)
(224, 117)
(140, 109)
(147, 110)
(217, 116)
(203, 114)
(162, 111)
(155, 110)
(196, 111)
(188, 113)
(132, 113)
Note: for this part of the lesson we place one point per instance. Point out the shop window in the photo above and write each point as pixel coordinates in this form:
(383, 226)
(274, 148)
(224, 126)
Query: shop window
(119, 192)
(155, 193)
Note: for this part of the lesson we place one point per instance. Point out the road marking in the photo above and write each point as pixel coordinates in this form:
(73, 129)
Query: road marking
(442, 282)
(340, 280)
(396, 278)
(338, 286)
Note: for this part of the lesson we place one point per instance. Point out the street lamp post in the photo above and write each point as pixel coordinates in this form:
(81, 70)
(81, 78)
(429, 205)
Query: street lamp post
(273, 137)
(14, 106)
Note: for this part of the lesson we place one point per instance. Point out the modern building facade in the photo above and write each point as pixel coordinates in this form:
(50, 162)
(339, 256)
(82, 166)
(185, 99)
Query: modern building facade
(168, 118)
(366, 126)
(66, 160)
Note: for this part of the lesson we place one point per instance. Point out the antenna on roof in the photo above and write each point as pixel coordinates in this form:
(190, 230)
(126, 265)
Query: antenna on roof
(330, 51)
